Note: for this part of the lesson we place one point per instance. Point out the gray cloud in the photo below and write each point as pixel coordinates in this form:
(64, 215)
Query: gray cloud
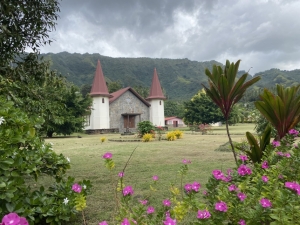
(263, 33)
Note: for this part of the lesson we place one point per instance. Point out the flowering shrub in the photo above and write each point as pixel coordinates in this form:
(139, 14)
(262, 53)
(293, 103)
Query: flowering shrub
(25, 155)
(178, 133)
(253, 193)
(102, 139)
(145, 127)
(171, 136)
(147, 137)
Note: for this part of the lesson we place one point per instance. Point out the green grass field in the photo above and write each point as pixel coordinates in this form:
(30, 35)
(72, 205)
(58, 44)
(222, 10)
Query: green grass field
(162, 158)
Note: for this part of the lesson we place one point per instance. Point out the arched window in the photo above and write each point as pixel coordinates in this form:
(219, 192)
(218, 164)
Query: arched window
(102, 100)
(159, 102)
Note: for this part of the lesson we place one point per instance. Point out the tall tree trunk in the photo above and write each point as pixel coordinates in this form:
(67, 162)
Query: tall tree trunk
(230, 141)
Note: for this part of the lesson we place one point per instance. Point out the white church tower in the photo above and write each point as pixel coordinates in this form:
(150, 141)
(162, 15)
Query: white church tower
(156, 99)
(99, 118)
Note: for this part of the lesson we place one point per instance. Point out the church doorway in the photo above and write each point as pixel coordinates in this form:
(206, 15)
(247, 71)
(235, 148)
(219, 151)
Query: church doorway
(130, 120)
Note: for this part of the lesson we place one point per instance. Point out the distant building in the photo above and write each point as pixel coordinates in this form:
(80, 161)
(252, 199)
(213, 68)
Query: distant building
(174, 122)
(122, 110)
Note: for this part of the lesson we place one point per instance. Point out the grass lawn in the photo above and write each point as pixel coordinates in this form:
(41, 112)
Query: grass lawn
(162, 158)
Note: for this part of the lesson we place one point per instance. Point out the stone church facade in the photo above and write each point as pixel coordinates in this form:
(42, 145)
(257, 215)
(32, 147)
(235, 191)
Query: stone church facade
(122, 110)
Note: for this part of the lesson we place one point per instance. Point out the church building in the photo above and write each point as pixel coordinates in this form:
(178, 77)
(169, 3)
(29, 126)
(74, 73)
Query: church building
(122, 110)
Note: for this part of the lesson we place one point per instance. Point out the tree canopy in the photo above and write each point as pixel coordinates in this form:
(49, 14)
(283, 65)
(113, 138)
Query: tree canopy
(201, 110)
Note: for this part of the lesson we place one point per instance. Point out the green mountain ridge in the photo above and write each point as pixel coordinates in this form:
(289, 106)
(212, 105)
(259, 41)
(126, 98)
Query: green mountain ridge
(180, 78)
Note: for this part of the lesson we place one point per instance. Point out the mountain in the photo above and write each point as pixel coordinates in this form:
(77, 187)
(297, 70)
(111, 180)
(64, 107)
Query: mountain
(180, 78)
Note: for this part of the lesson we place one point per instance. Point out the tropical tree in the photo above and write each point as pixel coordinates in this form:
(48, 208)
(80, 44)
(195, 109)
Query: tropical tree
(281, 110)
(174, 108)
(225, 89)
(70, 117)
(201, 110)
(25, 24)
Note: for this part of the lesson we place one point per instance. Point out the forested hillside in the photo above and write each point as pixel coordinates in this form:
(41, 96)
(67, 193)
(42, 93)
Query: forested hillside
(180, 78)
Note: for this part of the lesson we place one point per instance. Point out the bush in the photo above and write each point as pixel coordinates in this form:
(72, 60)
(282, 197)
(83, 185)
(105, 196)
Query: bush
(23, 155)
(147, 137)
(145, 127)
(178, 134)
(171, 136)
(252, 193)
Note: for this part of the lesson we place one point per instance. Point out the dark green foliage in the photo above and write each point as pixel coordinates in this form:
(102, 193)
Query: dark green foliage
(70, 118)
(201, 110)
(32, 97)
(145, 127)
(174, 108)
(281, 110)
(180, 78)
(23, 156)
(114, 86)
(257, 149)
(41, 92)
(25, 24)
(226, 90)
(142, 91)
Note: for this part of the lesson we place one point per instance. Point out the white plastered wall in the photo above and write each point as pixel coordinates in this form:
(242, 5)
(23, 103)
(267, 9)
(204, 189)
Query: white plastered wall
(100, 113)
(157, 112)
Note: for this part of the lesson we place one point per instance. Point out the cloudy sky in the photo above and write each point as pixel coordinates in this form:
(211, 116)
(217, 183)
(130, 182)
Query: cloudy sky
(263, 33)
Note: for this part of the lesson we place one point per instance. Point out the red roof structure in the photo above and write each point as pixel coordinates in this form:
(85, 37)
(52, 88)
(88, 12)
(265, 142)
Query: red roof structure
(155, 91)
(120, 92)
(99, 87)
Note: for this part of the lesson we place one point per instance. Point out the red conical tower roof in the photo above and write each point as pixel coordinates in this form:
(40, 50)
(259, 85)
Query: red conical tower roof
(155, 91)
(99, 85)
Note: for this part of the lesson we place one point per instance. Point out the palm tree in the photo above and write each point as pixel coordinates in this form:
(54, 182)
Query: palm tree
(225, 91)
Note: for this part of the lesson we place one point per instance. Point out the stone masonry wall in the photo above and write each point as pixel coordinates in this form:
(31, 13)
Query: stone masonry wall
(127, 103)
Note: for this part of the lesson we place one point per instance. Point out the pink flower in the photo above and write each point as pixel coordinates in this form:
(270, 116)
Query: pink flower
(203, 214)
(121, 174)
(243, 158)
(218, 174)
(169, 221)
(266, 203)
(241, 196)
(155, 177)
(103, 223)
(280, 176)
(11, 219)
(242, 222)
(196, 186)
(232, 187)
(226, 179)
(188, 188)
(290, 185)
(76, 188)
(14, 219)
(265, 165)
(143, 202)
(280, 153)
(265, 179)
(288, 155)
(294, 132)
(107, 155)
(185, 161)
(221, 206)
(244, 170)
(127, 191)
(167, 202)
(125, 222)
(150, 210)
(275, 144)
(205, 192)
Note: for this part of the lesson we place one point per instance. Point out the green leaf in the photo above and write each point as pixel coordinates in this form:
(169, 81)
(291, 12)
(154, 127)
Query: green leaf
(10, 206)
